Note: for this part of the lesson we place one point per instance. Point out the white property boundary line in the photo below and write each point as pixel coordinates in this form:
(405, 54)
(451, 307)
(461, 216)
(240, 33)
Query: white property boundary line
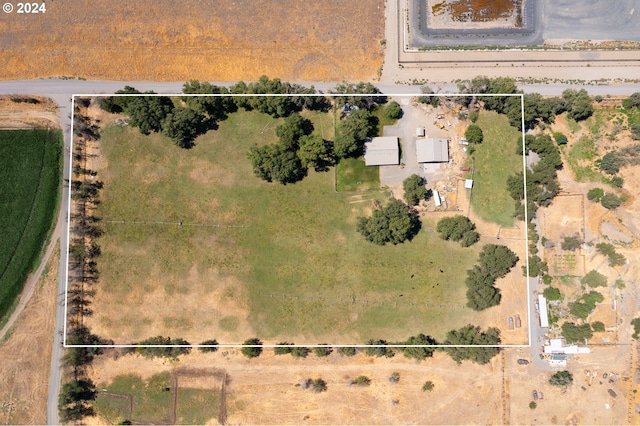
(222, 345)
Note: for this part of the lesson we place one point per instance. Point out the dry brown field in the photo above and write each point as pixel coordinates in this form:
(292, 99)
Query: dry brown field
(266, 390)
(226, 40)
(26, 355)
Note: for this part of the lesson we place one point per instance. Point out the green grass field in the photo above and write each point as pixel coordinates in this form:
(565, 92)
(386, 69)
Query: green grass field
(301, 269)
(353, 175)
(381, 113)
(151, 399)
(31, 162)
(495, 160)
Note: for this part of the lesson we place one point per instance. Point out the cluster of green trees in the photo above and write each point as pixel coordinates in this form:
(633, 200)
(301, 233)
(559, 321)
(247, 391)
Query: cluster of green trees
(426, 91)
(75, 398)
(458, 228)
(295, 351)
(613, 161)
(582, 307)
(542, 178)
(415, 190)
(252, 348)
(175, 347)
(470, 335)
(495, 262)
(594, 279)
(537, 267)
(283, 162)
(537, 109)
(609, 200)
(552, 293)
(474, 134)
(571, 243)
(394, 223)
(183, 121)
(351, 95)
(615, 258)
(576, 333)
(467, 335)
(561, 379)
(577, 104)
(352, 131)
(298, 148)
(418, 347)
(509, 105)
(632, 101)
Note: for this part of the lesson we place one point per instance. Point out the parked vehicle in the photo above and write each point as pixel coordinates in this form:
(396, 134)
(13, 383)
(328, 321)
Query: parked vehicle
(523, 361)
(465, 169)
(535, 395)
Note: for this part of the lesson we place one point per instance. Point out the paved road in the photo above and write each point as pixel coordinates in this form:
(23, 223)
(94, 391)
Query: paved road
(61, 91)
(57, 351)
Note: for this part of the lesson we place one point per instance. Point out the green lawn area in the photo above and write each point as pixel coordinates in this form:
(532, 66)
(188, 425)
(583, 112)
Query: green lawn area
(495, 160)
(353, 175)
(303, 272)
(151, 399)
(30, 170)
(383, 120)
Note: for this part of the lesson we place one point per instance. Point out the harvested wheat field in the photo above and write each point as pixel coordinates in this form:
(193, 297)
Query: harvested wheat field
(224, 40)
(26, 354)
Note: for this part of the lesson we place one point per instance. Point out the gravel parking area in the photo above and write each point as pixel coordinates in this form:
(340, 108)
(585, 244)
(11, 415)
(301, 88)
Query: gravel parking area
(414, 116)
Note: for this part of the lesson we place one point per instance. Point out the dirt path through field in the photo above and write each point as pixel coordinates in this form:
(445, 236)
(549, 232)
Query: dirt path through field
(26, 353)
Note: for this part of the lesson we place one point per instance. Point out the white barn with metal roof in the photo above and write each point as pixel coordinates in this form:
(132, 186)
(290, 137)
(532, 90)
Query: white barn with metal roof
(432, 150)
(382, 151)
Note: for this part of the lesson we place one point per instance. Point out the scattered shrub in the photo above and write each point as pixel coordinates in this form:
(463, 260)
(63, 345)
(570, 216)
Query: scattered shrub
(427, 386)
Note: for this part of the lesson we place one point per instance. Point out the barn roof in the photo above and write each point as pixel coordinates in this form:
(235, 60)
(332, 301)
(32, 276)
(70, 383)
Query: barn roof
(382, 151)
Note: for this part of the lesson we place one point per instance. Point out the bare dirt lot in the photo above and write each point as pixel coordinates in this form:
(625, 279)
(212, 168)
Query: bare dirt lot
(26, 112)
(26, 355)
(217, 41)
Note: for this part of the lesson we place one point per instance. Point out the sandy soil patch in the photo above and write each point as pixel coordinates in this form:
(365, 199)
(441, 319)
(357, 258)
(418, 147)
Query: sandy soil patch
(216, 41)
(26, 355)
